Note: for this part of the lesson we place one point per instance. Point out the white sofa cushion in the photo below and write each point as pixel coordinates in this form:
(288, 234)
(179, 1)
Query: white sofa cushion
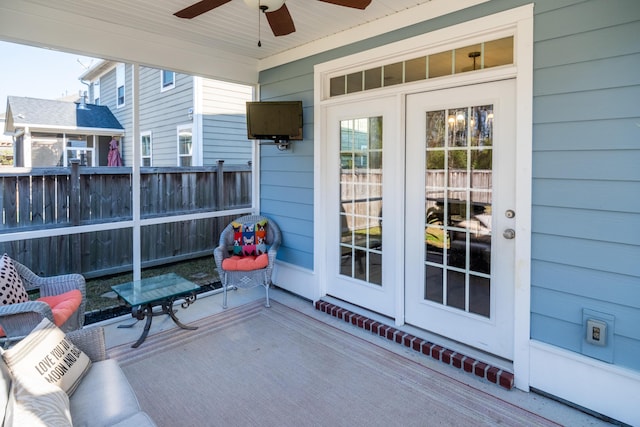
(104, 397)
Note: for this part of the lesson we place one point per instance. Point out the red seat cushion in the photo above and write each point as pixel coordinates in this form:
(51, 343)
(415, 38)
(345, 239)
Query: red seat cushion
(245, 263)
(62, 306)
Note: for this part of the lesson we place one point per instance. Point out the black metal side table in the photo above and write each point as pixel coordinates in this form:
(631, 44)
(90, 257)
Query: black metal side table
(143, 295)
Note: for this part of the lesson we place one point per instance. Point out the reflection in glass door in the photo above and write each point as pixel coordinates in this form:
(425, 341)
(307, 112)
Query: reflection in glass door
(361, 199)
(458, 207)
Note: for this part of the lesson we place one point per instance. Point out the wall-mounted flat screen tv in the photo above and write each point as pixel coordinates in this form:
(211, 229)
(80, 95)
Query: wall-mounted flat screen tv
(275, 120)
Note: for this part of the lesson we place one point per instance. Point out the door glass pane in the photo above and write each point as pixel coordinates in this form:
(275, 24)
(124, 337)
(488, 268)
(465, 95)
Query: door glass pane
(361, 199)
(458, 207)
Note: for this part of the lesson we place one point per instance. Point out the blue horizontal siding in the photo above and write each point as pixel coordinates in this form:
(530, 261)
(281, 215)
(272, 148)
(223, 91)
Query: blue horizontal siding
(606, 73)
(587, 135)
(562, 22)
(607, 42)
(568, 309)
(554, 331)
(595, 284)
(609, 196)
(587, 224)
(286, 194)
(598, 255)
(616, 103)
(618, 165)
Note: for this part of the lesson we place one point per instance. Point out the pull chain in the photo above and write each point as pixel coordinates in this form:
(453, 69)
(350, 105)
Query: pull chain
(259, 10)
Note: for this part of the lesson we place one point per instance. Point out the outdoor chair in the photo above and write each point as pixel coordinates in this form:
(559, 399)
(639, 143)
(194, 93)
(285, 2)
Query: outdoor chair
(246, 254)
(57, 302)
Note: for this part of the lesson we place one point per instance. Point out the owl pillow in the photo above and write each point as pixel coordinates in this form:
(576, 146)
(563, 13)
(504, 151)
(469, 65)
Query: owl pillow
(250, 239)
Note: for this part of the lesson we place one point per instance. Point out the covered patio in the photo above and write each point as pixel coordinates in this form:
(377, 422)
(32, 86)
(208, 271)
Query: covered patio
(209, 306)
(562, 95)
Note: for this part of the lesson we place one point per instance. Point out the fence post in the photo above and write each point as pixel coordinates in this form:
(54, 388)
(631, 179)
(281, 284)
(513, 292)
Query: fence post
(220, 193)
(74, 216)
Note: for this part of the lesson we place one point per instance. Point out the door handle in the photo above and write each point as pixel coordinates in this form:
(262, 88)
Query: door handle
(509, 233)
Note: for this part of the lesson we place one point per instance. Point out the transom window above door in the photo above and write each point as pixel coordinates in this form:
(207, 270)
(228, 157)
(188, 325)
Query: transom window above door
(474, 57)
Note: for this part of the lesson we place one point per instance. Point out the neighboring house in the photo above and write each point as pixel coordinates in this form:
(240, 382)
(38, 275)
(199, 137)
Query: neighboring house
(555, 298)
(6, 145)
(50, 132)
(184, 120)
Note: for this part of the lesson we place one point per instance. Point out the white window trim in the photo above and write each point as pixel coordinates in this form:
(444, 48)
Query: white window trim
(121, 81)
(150, 156)
(179, 156)
(170, 86)
(518, 22)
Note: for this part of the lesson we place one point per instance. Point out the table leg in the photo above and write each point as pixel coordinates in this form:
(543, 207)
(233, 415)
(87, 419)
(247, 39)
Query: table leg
(148, 313)
(167, 307)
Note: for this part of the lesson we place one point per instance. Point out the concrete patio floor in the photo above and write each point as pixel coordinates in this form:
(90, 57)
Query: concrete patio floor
(211, 303)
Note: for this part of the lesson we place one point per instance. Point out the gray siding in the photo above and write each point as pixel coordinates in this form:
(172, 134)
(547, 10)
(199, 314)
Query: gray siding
(224, 124)
(123, 114)
(161, 112)
(224, 134)
(586, 179)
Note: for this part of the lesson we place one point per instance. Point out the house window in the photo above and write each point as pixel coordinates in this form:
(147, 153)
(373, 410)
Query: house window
(120, 81)
(185, 146)
(145, 148)
(167, 80)
(455, 61)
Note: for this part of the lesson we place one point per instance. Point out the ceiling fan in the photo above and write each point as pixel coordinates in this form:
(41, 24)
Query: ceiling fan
(276, 11)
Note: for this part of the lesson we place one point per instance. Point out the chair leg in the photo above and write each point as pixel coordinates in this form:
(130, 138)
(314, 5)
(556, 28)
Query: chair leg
(224, 298)
(267, 292)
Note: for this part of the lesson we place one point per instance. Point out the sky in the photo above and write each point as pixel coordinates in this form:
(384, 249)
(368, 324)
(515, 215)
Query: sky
(39, 73)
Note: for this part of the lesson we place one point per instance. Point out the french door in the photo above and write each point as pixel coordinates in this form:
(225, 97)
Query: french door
(460, 196)
(362, 142)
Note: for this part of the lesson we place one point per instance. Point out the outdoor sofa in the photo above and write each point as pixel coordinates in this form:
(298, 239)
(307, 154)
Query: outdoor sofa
(103, 396)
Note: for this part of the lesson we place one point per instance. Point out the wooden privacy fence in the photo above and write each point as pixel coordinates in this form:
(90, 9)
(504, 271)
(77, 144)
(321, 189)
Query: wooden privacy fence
(46, 198)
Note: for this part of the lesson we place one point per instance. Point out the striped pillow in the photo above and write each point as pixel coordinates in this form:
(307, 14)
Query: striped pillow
(47, 355)
(36, 404)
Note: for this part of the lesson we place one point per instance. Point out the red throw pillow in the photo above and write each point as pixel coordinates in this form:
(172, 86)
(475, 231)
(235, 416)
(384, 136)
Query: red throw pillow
(245, 263)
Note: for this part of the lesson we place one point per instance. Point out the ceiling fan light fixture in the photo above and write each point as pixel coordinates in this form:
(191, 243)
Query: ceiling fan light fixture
(270, 5)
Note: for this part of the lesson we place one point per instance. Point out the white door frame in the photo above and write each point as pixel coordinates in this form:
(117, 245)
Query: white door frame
(517, 22)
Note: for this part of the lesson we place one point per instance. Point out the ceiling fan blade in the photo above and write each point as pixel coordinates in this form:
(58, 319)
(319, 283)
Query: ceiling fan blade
(280, 21)
(356, 4)
(199, 8)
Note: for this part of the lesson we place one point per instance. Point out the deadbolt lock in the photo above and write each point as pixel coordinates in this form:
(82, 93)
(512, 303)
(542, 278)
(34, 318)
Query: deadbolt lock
(510, 213)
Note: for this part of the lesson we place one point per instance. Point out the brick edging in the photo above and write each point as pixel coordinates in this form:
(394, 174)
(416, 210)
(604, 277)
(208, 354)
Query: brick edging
(468, 364)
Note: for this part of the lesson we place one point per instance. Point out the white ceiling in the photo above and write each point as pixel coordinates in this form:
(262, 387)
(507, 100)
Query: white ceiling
(234, 25)
(135, 30)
